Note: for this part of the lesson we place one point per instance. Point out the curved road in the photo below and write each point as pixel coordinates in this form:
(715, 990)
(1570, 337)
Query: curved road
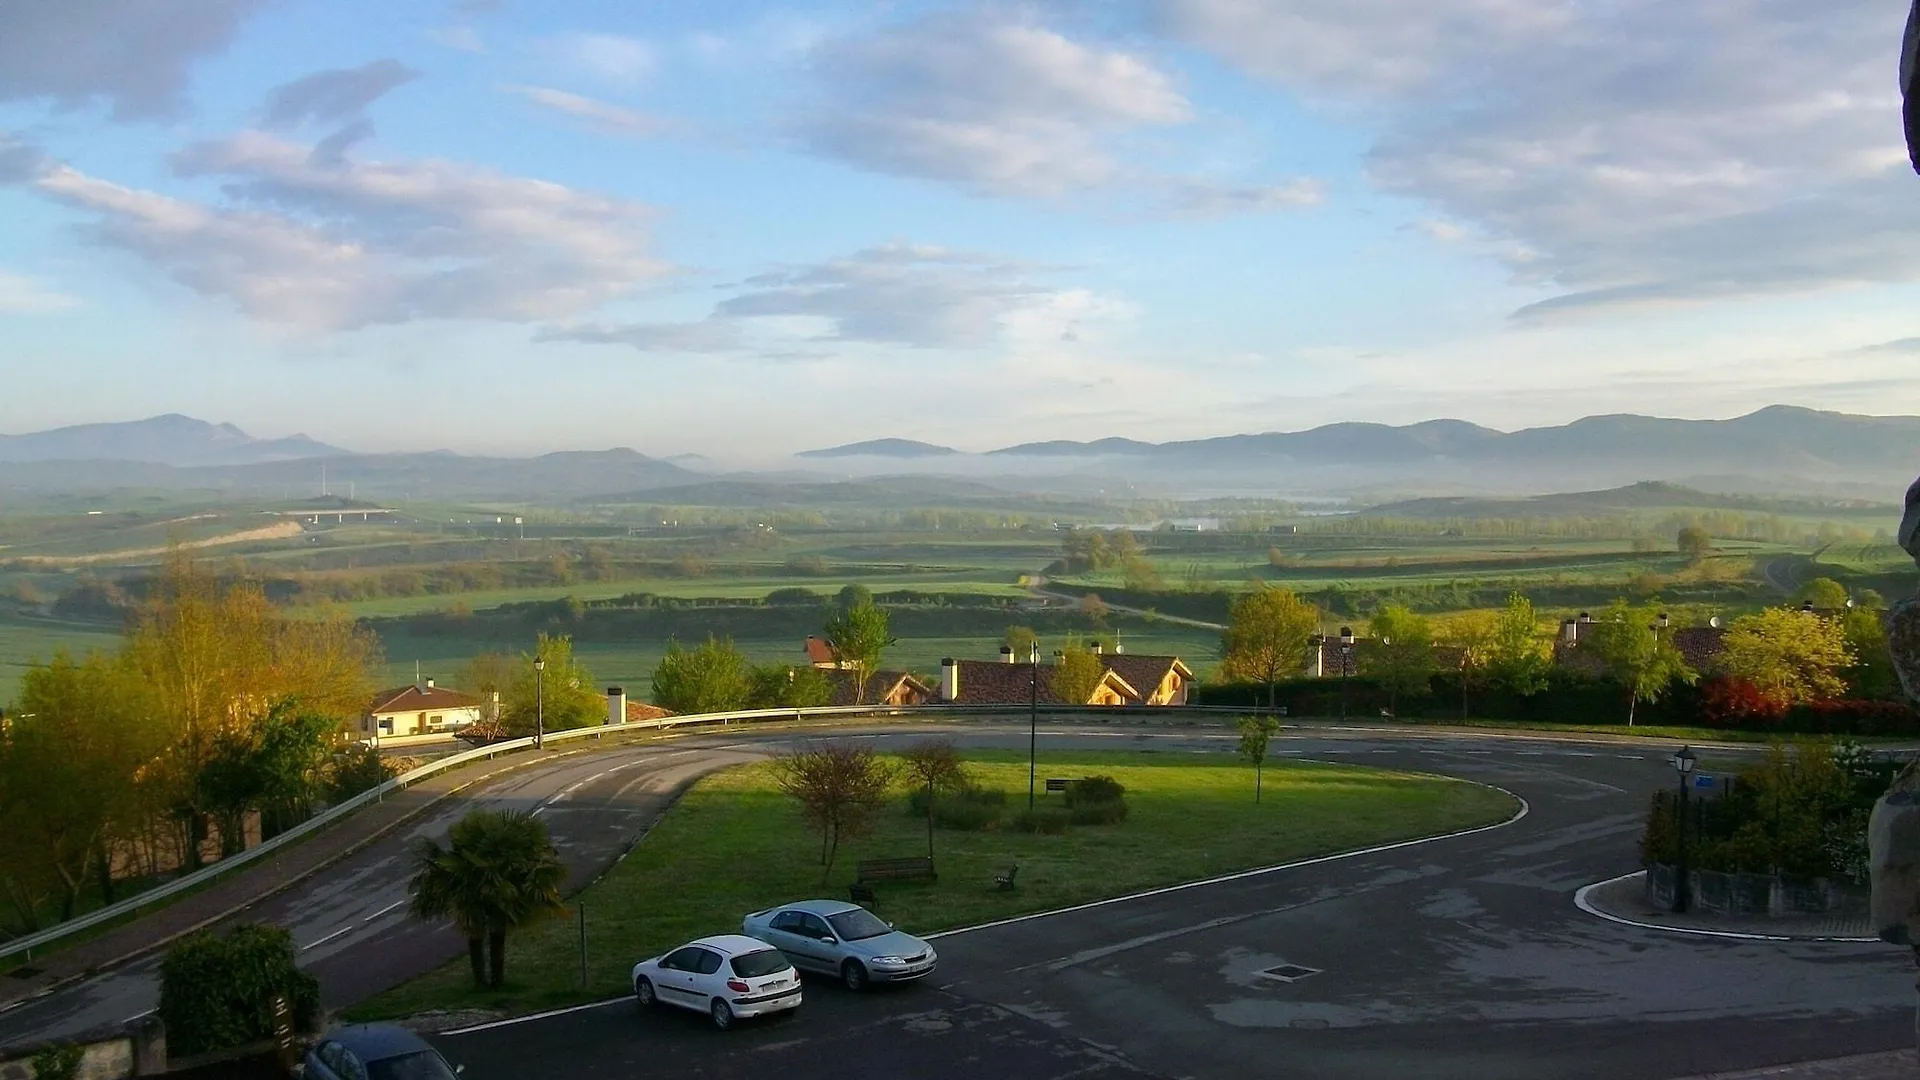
(1461, 957)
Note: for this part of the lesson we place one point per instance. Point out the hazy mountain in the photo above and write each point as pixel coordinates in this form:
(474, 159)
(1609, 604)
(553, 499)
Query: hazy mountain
(1651, 495)
(888, 448)
(162, 440)
(1811, 447)
(389, 478)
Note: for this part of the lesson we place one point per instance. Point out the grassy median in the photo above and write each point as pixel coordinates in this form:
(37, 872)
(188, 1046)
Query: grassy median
(734, 844)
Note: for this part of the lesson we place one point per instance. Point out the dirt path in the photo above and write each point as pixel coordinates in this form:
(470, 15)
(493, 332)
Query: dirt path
(279, 530)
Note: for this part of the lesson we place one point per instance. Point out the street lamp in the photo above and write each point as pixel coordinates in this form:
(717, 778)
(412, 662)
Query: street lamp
(1033, 716)
(1346, 661)
(1661, 621)
(539, 703)
(1806, 607)
(1682, 763)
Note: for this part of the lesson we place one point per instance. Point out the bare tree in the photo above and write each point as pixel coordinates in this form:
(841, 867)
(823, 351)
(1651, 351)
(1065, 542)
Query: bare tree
(933, 765)
(840, 786)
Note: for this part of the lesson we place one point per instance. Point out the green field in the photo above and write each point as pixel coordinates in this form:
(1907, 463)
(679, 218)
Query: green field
(734, 844)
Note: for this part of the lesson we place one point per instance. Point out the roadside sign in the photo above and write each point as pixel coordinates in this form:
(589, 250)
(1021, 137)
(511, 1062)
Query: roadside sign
(1701, 780)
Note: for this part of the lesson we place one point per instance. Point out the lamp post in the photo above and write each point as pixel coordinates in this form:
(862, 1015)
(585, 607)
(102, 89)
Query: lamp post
(539, 703)
(1346, 661)
(1683, 765)
(1033, 716)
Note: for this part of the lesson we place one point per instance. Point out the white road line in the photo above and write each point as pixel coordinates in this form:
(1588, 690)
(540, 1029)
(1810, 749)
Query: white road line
(1222, 879)
(1580, 901)
(138, 1015)
(536, 1016)
(347, 929)
(1630, 757)
(384, 910)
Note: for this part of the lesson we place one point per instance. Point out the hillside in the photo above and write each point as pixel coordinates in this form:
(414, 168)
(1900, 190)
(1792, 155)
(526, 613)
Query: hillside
(161, 440)
(889, 448)
(1648, 495)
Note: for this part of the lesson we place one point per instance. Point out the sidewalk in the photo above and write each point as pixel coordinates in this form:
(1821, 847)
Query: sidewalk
(1892, 1065)
(227, 895)
(1625, 898)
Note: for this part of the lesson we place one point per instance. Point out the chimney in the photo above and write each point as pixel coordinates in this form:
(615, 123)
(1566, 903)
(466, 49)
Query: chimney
(949, 679)
(1006, 654)
(1569, 631)
(616, 705)
(1097, 650)
(429, 683)
(493, 706)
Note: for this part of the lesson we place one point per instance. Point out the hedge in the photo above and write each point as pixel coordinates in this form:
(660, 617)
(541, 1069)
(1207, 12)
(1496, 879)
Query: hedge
(217, 992)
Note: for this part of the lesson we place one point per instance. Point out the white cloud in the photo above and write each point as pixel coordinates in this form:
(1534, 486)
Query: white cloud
(1203, 199)
(133, 55)
(1627, 152)
(460, 38)
(19, 293)
(344, 245)
(1001, 108)
(598, 114)
(897, 294)
(609, 56)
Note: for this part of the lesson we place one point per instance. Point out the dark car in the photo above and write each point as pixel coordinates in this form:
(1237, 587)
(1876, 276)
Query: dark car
(376, 1052)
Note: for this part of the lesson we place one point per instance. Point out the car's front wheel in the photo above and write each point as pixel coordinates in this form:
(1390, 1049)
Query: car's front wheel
(854, 974)
(643, 993)
(722, 1014)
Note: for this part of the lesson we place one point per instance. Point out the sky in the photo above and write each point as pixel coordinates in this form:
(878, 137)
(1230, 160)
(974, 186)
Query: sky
(745, 229)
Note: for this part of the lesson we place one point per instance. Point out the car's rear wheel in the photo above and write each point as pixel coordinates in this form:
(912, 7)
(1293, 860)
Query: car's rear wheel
(854, 974)
(643, 993)
(722, 1014)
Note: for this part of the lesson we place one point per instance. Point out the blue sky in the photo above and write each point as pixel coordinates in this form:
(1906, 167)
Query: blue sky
(743, 229)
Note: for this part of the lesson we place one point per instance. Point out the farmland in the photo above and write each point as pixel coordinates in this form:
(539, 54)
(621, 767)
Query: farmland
(442, 583)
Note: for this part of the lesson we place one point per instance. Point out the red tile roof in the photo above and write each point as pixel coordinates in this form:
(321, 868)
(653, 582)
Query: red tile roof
(984, 682)
(640, 710)
(1145, 673)
(412, 698)
(880, 686)
(820, 653)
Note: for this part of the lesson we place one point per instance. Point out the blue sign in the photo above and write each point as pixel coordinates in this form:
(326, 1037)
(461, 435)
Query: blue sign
(1703, 780)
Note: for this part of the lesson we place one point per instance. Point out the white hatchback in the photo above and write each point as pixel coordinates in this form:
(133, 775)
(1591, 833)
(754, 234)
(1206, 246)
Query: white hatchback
(727, 977)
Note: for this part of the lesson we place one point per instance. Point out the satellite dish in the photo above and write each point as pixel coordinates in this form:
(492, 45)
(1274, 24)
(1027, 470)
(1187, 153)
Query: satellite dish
(1714, 622)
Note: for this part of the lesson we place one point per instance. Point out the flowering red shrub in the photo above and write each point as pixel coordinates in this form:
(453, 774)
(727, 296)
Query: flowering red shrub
(1736, 703)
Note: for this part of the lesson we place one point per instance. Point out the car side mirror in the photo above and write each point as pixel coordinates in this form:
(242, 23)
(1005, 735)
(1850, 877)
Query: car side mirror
(459, 1069)
(889, 926)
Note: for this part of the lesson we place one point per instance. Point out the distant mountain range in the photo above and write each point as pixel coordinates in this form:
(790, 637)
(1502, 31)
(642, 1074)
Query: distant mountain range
(1780, 450)
(886, 448)
(1810, 448)
(162, 440)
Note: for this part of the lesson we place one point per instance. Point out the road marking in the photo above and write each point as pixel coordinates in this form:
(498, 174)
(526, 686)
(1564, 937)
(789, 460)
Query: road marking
(1525, 808)
(139, 1015)
(384, 910)
(1630, 757)
(347, 929)
(538, 1016)
(1580, 901)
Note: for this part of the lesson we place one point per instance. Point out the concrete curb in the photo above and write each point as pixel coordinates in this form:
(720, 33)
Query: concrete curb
(1583, 900)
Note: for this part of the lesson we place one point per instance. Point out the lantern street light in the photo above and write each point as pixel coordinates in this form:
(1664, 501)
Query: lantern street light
(1806, 607)
(1682, 762)
(539, 702)
(1346, 663)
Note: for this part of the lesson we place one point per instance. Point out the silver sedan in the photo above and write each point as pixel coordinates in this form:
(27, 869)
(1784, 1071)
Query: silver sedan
(833, 937)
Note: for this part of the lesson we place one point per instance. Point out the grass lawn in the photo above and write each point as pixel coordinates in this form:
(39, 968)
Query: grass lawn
(734, 844)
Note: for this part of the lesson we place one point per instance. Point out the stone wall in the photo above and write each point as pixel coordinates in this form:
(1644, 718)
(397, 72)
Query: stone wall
(1755, 894)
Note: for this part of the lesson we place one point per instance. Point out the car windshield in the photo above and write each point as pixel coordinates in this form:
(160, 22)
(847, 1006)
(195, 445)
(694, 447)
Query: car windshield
(424, 1065)
(755, 964)
(856, 924)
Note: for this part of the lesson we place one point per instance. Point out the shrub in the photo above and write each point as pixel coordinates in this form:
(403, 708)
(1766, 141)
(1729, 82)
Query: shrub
(61, 1062)
(966, 810)
(217, 992)
(1109, 812)
(356, 769)
(1095, 789)
(1046, 820)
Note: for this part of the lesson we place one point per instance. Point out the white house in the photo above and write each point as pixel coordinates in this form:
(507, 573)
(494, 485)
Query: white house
(420, 709)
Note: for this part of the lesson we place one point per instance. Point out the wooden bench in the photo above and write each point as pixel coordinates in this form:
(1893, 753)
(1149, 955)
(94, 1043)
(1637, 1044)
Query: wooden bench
(1004, 882)
(918, 867)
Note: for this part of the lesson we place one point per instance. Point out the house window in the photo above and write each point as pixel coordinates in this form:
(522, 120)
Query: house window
(386, 725)
(435, 721)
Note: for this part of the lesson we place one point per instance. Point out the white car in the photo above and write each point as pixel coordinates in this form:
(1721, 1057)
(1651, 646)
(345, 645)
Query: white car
(834, 937)
(728, 977)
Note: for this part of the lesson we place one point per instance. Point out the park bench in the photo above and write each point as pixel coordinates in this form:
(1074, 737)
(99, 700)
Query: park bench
(868, 871)
(1004, 882)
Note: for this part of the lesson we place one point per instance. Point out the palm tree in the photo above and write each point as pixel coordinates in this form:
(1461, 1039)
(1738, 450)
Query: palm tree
(498, 872)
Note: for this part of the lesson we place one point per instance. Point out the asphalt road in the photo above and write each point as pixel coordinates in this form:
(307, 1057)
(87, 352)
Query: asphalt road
(1462, 957)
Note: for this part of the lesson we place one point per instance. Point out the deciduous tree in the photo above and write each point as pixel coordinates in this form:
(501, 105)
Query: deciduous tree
(562, 696)
(858, 636)
(1636, 656)
(1789, 656)
(1266, 638)
(933, 766)
(1402, 657)
(1695, 542)
(1824, 593)
(1474, 634)
(1076, 673)
(713, 677)
(1256, 734)
(1518, 659)
(787, 686)
(839, 785)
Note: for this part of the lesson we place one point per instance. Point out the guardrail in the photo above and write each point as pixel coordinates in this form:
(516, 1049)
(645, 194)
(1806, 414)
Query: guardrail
(332, 814)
